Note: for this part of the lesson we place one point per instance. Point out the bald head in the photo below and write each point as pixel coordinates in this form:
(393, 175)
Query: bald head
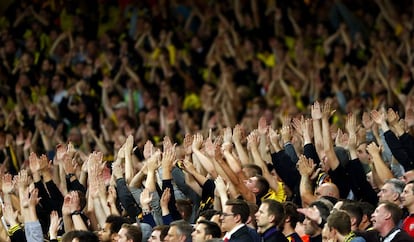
(327, 189)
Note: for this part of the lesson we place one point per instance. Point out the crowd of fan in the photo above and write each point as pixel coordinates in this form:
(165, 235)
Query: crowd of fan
(242, 120)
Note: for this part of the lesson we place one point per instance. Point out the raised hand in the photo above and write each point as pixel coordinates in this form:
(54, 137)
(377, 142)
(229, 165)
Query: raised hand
(7, 183)
(220, 185)
(148, 149)
(209, 147)
(341, 139)
(351, 123)
(34, 163)
(153, 162)
(227, 135)
(197, 142)
(367, 122)
(262, 126)
(167, 143)
(305, 166)
(373, 149)
(187, 143)
(34, 198)
(145, 198)
(326, 109)
(54, 224)
(253, 139)
(392, 117)
(378, 116)
(165, 198)
(316, 111)
(238, 133)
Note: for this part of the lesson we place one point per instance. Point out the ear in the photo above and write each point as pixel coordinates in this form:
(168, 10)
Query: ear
(272, 218)
(396, 196)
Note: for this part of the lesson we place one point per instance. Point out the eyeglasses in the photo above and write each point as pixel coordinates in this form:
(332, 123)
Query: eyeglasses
(227, 214)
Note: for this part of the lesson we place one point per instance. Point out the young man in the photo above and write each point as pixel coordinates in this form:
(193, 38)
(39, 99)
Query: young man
(268, 218)
(111, 228)
(407, 199)
(205, 230)
(233, 222)
(339, 228)
(130, 233)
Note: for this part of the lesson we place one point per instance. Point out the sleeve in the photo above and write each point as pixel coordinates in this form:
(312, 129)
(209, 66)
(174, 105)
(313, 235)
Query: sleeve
(75, 185)
(147, 218)
(309, 151)
(291, 152)
(16, 234)
(55, 195)
(207, 195)
(398, 150)
(127, 200)
(286, 169)
(167, 219)
(171, 204)
(179, 180)
(33, 231)
(359, 184)
(340, 178)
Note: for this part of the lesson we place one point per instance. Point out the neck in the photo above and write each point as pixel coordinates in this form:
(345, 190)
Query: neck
(385, 230)
(287, 230)
(263, 229)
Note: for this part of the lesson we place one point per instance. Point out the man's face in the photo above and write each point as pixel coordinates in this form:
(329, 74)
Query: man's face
(311, 228)
(122, 235)
(263, 219)
(251, 184)
(379, 216)
(227, 218)
(362, 153)
(173, 235)
(387, 194)
(155, 236)
(199, 233)
(105, 233)
(407, 196)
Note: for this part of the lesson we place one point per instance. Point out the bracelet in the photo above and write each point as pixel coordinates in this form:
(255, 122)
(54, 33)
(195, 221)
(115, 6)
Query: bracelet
(146, 211)
(77, 212)
(68, 176)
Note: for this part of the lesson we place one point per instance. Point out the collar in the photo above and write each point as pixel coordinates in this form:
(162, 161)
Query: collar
(390, 235)
(231, 232)
(270, 231)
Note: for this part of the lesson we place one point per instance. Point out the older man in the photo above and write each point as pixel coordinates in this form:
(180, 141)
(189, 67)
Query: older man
(385, 220)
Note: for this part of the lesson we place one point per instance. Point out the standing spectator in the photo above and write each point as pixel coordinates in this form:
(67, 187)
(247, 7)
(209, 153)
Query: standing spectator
(233, 222)
(268, 218)
(407, 198)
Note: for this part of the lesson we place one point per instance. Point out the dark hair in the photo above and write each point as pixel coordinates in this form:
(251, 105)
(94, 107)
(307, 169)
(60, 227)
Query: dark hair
(322, 207)
(396, 212)
(208, 213)
(276, 209)
(255, 168)
(340, 221)
(211, 228)
(184, 207)
(262, 184)
(115, 222)
(81, 235)
(163, 229)
(354, 211)
(292, 213)
(133, 232)
(239, 207)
